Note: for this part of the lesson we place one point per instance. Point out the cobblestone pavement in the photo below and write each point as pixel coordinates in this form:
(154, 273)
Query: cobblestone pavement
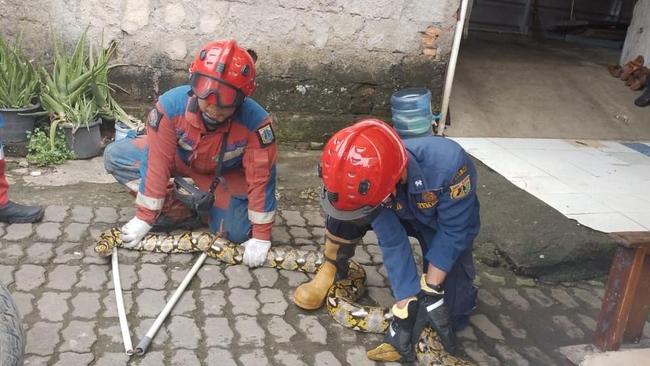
(231, 315)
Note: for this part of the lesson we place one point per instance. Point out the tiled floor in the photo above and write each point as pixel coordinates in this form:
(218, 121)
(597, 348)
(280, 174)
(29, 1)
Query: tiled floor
(604, 185)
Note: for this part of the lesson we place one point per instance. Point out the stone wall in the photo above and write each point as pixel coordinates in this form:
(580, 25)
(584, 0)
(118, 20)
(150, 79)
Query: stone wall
(321, 61)
(637, 41)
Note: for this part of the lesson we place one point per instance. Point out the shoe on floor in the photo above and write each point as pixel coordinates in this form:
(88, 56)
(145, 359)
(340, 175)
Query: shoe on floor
(13, 212)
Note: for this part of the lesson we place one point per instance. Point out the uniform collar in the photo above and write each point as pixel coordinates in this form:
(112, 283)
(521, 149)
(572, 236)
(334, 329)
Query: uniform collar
(416, 181)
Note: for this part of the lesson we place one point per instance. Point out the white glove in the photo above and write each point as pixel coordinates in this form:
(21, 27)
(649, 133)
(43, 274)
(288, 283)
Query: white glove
(133, 232)
(255, 252)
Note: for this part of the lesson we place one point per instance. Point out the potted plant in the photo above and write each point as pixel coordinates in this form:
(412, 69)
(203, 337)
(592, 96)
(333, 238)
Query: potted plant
(19, 89)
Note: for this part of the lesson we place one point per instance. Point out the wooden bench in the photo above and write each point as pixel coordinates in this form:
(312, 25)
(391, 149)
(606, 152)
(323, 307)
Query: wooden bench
(626, 303)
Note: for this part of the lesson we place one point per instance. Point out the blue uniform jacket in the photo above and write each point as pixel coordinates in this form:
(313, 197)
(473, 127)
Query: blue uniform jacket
(439, 201)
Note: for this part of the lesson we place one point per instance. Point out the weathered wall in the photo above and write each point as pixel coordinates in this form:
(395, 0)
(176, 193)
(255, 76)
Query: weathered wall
(320, 60)
(637, 41)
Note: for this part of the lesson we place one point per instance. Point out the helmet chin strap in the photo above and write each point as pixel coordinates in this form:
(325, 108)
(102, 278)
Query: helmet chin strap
(210, 124)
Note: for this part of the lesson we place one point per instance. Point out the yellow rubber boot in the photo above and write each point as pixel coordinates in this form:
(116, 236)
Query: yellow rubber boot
(311, 295)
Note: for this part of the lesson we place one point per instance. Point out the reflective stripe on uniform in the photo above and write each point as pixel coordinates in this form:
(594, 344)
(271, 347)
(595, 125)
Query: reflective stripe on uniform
(133, 185)
(261, 217)
(150, 203)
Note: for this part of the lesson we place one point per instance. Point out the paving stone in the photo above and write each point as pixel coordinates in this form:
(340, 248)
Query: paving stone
(81, 214)
(106, 214)
(272, 301)
(36, 361)
(286, 358)
(76, 359)
(467, 333)
(587, 297)
(7, 274)
(314, 218)
(126, 214)
(280, 329)
(184, 332)
(488, 298)
(128, 277)
(318, 233)
(293, 218)
(243, 301)
(186, 358)
(182, 260)
(11, 253)
(280, 236)
(266, 277)
(362, 256)
(157, 258)
(93, 277)
(112, 333)
(110, 306)
(221, 357)
(76, 232)
(588, 322)
(163, 333)
(510, 355)
(568, 327)
(217, 332)
(210, 276)
(507, 322)
(151, 302)
(326, 358)
(299, 232)
(512, 296)
(499, 280)
(312, 329)
(479, 356)
(563, 297)
(55, 213)
(294, 278)
(371, 238)
(24, 301)
(249, 330)
(537, 356)
(29, 277)
(482, 323)
(40, 253)
(42, 337)
(305, 244)
(185, 305)
(381, 295)
(238, 276)
(53, 305)
(254, 357)
(68, 253)
(18, 232)
(155, 358)
(213, 301)
(48, 231)
(62, 277)
(152, 276)
(78, 336)
(538, 296)
(126, 257)
(373, 278)
(357, 356)
(524, 281)
(85, 305)
(341, 334)
(112, 359)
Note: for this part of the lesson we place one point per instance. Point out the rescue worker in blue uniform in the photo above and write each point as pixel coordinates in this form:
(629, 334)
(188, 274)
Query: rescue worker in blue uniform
(421, 187)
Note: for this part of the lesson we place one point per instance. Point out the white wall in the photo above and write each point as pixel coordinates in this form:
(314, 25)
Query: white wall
(637, 41)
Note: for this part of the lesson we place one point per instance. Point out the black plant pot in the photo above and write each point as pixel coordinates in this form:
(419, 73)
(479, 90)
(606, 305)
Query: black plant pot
(16, 125)
(86, 141)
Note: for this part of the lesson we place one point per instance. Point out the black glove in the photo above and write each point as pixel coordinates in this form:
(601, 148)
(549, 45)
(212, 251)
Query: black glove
(432, 311)
(400, 333)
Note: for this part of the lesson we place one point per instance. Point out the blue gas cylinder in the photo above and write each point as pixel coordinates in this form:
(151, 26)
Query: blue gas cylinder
(411, 112)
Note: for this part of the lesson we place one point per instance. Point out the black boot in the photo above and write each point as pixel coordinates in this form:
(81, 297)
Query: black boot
(165, 224)
(13, 212)
(644, 99)
(433, 312)
(400, 333)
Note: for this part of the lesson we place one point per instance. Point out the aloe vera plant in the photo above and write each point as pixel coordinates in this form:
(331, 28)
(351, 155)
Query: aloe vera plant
(19, 81)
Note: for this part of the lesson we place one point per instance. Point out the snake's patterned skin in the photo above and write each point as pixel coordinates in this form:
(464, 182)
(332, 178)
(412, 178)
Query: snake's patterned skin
(341, 297)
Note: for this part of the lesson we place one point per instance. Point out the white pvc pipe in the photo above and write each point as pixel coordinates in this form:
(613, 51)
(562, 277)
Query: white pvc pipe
(144, 343)
(119, 301)
(451, 68)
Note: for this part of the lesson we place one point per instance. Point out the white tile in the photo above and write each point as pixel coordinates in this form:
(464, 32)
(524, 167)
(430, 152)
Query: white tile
(474, 143)
(507, 164)
(607, 222)
(543, 185)
(628, 202)
(642, 218)
(613, 146)
(632, 158)
(575, 203)
(528, 144)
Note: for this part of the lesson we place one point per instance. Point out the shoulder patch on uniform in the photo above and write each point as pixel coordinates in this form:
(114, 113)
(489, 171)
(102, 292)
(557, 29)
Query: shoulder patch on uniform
(154, 118)
(459, 174)
(429, 200)
(266, 135)
(460, 189)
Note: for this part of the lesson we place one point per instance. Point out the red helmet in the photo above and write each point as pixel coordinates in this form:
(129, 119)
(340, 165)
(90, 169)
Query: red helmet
(223, 73)
(360, 167)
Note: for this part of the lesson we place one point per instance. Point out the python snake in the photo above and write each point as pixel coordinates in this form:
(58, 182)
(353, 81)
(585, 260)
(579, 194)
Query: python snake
(341, 297)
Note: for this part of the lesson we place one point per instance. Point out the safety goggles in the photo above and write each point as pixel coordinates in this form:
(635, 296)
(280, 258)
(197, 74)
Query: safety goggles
(216, 91)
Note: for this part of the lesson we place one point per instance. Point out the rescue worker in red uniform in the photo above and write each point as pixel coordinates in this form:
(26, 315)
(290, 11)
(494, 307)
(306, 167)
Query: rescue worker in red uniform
(212, 132)
(422, 187)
